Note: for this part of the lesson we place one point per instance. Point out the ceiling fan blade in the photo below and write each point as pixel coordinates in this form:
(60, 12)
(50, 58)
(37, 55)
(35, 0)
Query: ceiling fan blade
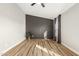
(42, 4)
(33, 4)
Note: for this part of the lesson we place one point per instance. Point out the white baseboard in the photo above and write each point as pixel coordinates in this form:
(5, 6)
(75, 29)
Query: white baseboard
(70, 48)
(2, 52)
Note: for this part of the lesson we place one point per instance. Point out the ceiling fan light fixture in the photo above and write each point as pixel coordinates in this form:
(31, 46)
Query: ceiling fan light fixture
(42, 4)
(33, 4)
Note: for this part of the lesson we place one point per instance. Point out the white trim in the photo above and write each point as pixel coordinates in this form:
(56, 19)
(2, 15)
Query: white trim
(2, 52)
(70, 48)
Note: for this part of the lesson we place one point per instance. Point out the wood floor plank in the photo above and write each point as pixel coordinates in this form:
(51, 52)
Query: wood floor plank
(49, 48)
(54, 49)
(30, 53)
(28, 48)
(65, 50)
(14, 50)
(21, 50)
(39, 50)
(61, 50)
(35, 49)
(39, 47)
(45, 50)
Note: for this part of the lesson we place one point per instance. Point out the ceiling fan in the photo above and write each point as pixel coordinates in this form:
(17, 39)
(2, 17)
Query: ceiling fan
(42, 4)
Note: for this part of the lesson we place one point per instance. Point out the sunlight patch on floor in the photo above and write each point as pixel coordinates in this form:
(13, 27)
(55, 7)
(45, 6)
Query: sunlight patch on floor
(47, 50)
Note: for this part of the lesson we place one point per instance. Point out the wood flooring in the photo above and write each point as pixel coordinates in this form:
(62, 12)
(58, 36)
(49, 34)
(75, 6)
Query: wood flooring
(39, 47)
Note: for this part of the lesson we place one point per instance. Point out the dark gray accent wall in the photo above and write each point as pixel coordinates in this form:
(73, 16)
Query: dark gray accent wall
(59, 29)
(54, 30)
(38, 26)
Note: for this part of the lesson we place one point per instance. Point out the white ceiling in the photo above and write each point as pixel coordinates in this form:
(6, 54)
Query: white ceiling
(51, 10)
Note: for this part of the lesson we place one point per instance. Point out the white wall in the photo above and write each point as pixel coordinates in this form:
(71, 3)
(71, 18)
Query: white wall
(70, 28)
(12, 25)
